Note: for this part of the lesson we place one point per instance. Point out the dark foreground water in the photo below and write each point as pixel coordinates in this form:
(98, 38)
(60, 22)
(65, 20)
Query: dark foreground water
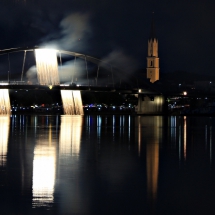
(110, 165)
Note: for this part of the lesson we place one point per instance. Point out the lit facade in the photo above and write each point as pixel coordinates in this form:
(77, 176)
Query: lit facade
(152, 58)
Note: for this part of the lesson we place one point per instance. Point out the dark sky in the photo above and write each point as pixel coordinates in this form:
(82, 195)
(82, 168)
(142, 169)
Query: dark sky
(116, 30)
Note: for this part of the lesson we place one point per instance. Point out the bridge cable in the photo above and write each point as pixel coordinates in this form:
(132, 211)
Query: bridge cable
(60, 64)
(97, 75)
(60, 60)
(8, 67)
(23, 65)
(73, 70)
(87, 70)
(112, 76)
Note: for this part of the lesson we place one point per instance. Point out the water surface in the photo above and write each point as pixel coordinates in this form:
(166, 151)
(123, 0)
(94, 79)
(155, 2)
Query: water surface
(107, 165)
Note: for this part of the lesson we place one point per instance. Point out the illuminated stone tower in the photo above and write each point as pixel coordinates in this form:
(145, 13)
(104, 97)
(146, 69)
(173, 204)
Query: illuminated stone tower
(152, 58)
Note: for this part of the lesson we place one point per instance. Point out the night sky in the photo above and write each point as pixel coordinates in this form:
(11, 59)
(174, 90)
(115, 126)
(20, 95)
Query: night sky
(116, 30)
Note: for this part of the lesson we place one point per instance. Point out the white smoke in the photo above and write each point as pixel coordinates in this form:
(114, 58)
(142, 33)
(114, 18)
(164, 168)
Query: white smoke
(75, 30)
(73, 36)
(31, 75)
(120, 60)
(71, 71)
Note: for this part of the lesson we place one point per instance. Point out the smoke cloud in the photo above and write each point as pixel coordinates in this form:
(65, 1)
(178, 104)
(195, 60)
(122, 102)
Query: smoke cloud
(31, 75)
(123, 65)
(120, 60)
(75, 31)
(71, 71)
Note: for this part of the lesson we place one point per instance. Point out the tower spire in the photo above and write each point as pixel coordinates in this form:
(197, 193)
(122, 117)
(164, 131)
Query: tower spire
(152, 33)
(152, 58)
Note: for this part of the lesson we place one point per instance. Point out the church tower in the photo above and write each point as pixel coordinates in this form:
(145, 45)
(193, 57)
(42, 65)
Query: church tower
(152, 58)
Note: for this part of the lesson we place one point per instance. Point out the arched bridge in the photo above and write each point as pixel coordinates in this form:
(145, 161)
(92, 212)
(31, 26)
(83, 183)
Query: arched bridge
(74, 69)
(70, 72)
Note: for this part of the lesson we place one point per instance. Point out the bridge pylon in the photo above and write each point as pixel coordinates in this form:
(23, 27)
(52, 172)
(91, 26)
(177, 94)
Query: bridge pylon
(150, 104)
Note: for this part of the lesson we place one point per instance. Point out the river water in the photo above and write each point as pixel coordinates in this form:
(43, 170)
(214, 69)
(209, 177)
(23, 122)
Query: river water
(106, 164)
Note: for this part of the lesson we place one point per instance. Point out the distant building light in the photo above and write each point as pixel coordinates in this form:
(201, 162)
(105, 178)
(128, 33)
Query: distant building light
(184, 93)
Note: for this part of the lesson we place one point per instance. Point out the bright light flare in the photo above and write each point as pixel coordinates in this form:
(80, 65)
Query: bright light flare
(4, 133)
(47, 66)
(44, 170)
(70, 135)
(43, 178)
(4, 102)
(72, 102)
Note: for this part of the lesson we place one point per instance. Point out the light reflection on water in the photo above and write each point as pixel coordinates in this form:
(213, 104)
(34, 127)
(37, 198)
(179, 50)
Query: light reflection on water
(72, 198)
(106, 164)
(44, 167)
(4, 133)
(185, 137)
(70, 135)
(152, 136)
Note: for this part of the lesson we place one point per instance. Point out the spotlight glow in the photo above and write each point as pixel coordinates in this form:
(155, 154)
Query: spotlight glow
(70, 135)
(47, 67)
(4, 133)
(44, 170)
(72, 102)
(4, 102)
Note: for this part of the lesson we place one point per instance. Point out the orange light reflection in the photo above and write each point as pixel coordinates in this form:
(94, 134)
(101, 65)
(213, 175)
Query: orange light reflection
(185, 138)
(44, 169)
(4, 133)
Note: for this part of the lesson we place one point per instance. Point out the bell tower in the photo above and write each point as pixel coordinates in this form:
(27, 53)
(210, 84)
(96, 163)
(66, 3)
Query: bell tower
(152, 58)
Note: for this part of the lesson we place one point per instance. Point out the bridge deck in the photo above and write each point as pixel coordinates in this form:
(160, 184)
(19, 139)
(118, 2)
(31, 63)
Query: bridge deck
(170, 93)
(81, 88)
